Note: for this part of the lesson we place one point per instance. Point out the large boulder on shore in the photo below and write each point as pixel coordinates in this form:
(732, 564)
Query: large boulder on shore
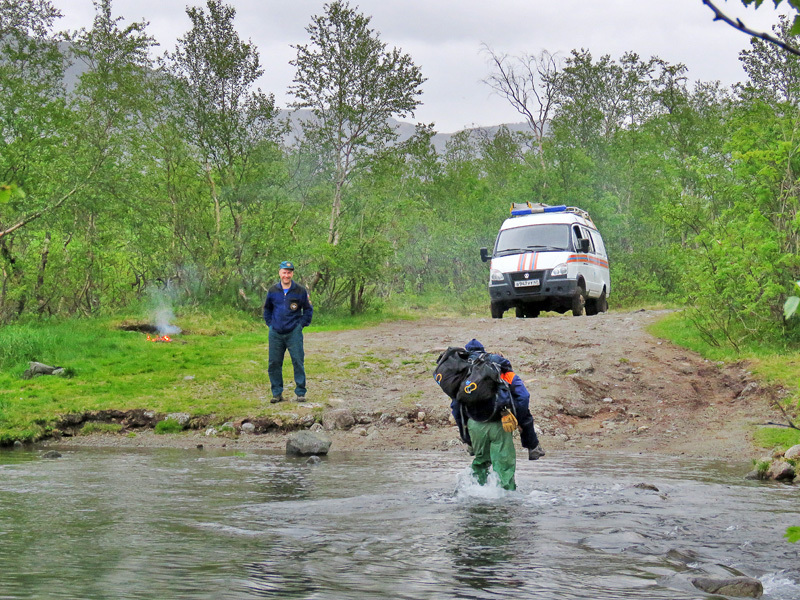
(305, 443)
(740, 587)
(792, 453)
(339, 418)
(781, 470)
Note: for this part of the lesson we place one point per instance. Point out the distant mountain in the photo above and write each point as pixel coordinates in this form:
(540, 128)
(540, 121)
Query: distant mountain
(404, 129)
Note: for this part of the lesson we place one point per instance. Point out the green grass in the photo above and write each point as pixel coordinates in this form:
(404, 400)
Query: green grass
(168, 426)
(777, 437)
(90, 428)
(218, 366)
(773, 363)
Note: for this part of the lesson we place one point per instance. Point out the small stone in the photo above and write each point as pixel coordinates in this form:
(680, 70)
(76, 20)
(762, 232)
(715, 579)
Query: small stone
(189, 378)
(608, 400)
(248, 428)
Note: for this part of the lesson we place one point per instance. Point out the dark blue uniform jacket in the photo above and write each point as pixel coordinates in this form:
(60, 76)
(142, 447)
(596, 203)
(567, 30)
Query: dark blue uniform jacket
(285, 312)
(514, 396)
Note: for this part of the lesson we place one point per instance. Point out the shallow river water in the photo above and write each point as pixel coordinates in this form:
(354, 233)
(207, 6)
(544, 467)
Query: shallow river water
(161, 523)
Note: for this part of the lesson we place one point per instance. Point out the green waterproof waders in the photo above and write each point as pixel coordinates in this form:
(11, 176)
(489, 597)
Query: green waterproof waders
(493, 447)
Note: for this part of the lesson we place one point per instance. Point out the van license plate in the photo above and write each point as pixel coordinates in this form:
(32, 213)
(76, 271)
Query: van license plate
(526, 282)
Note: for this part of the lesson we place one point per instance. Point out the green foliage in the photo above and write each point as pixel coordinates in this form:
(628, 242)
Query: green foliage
(792, 534)
(791, 304)
(795, 4)
(762, 466)
(168, 426)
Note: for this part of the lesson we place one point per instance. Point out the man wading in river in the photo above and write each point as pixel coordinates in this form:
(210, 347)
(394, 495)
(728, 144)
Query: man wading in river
(489, 401)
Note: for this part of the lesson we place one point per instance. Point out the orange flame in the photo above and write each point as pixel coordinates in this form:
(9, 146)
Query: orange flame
(159, 338)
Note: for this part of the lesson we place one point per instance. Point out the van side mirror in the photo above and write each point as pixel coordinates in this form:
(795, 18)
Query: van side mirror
(584, 244)
(484, 254)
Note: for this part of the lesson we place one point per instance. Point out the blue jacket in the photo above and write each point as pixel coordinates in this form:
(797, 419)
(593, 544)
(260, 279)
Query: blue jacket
(284, 312)
(514, 396)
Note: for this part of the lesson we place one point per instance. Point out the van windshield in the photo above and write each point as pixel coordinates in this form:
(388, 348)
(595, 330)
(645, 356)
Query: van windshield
(532, 238)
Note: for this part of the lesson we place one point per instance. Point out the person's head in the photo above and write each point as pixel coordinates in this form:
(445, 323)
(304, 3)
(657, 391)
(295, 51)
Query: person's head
(286, 272)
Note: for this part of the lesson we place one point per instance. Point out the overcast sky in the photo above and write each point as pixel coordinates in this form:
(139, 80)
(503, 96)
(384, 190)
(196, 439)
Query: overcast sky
(444, 38)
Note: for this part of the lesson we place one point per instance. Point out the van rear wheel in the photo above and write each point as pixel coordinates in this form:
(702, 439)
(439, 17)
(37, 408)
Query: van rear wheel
(578, 302)
(602, 303)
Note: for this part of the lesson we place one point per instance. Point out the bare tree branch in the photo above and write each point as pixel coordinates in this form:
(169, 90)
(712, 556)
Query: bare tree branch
(527, 83)
(737, 24)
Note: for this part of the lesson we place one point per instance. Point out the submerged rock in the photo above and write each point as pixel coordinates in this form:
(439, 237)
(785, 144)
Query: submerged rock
(741, 587)
(51, 454)
(303, 443)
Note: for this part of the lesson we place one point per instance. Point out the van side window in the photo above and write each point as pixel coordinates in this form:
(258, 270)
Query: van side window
(577, 237)
(598, 243)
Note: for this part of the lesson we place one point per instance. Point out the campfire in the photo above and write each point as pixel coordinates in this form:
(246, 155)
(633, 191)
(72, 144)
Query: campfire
(158, 338)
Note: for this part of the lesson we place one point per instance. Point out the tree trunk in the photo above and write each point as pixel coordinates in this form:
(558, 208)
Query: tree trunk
(37, 290)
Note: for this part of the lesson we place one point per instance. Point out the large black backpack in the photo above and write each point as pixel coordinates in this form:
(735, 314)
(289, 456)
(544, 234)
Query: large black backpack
(451, 369)
(481, 383)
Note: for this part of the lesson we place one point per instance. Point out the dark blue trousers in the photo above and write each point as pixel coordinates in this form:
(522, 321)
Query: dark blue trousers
(279, 343)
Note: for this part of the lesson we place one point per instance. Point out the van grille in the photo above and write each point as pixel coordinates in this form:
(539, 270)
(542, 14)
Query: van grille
(531, 275)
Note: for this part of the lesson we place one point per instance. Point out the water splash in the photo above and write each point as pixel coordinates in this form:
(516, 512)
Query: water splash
(780, 586)
(467, 487)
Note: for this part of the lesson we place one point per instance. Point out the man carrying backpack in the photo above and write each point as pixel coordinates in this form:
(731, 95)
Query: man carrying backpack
(488, 426)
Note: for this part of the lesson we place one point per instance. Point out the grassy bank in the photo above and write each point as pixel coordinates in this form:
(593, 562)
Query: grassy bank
(772, 364)
(216, 366)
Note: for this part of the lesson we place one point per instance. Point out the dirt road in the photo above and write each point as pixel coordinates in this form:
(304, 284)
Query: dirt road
(598, 382)
(595, 382)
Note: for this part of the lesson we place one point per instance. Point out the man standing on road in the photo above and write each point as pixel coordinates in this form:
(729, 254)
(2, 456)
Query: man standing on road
(287, 310)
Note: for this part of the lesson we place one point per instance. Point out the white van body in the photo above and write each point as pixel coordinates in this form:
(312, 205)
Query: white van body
(551, 259)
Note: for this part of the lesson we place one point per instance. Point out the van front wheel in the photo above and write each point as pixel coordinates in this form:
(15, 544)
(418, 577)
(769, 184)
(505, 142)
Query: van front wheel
(578, 302)
(497, 310)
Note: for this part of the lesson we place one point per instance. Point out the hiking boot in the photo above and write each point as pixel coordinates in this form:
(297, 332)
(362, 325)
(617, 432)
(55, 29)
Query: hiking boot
(276, 399)
(300, 398)
(536, 453)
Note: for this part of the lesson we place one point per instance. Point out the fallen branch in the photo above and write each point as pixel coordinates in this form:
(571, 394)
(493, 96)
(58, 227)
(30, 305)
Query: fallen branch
(791, 425)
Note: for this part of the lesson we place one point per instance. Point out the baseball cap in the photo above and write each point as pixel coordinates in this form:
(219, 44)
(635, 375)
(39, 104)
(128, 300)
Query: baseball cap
(287, 264)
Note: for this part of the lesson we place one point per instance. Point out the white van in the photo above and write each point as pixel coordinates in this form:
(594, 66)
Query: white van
(548, 258)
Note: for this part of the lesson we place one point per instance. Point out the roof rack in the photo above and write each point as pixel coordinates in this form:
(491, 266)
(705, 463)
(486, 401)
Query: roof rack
(531, 208)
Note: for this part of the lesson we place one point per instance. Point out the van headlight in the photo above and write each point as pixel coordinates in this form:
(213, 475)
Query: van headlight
(559, 270)
(495, 275)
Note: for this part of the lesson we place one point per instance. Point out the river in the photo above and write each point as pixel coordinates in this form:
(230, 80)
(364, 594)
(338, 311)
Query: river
(168, 523)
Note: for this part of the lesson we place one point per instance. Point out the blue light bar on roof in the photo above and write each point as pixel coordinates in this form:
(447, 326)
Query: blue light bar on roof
(538, 209)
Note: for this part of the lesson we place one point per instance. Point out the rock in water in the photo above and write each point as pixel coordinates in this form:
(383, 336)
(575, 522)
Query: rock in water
(304, 443)
(741, 587)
